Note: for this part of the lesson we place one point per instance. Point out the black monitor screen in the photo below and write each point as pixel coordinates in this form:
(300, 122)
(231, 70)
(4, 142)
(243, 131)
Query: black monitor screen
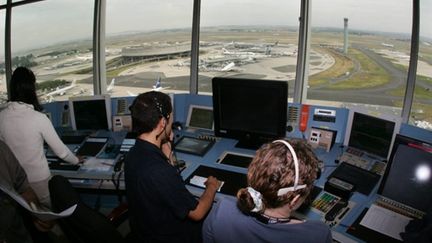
(408, 176)
(200, 117)
(371, 134)
(251, 111)
(90, 114)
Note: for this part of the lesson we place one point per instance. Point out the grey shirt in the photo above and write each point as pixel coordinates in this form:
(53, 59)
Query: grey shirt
(12, 175)
(226, 223)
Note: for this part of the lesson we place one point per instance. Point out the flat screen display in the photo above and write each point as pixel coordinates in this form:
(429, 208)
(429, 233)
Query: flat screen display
(371, 134)
(408, 176)
(193, 145)
(234, 159)
(251, 111)
(200, 117)
(91, 113)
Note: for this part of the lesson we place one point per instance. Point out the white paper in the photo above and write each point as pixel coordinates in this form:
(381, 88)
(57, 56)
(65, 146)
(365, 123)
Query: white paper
(42, 214)
(385, 221)
(96, 164)
(199, 181)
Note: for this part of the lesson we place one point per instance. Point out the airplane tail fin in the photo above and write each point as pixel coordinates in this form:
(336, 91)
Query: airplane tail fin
(158, 83)
(111, 85)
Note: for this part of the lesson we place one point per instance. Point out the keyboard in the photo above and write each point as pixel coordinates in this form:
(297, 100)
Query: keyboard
(63, 166)
(355, 160)
(73, 139)
(399, 207)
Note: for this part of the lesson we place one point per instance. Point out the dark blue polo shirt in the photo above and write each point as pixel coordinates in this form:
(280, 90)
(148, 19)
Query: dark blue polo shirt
(158, 199)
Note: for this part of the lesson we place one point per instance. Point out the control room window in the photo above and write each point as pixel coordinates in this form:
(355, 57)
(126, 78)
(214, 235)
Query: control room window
(421, 110)
(54, 39)
(3, 88)
(365, 63)
(248, 39)
(145, 43)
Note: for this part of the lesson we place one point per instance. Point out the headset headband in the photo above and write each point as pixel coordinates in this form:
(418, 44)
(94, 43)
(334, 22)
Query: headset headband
(285, 190)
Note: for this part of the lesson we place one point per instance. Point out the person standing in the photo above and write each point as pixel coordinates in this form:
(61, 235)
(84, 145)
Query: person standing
(25, 129)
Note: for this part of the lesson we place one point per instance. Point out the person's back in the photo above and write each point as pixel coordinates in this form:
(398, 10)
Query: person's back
(279, 181)
(25, 129)
(161, 209)
(24, 134)
(158, 201)
(226, 223)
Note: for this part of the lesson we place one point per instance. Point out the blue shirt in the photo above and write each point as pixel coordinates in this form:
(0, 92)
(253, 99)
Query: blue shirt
(158, 200)
(226, 223)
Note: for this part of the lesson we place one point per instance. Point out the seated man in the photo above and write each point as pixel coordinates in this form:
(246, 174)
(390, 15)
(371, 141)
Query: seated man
(161, 209)
(13, 177)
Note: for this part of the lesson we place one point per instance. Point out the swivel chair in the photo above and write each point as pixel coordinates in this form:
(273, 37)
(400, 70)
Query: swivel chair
(85, 225)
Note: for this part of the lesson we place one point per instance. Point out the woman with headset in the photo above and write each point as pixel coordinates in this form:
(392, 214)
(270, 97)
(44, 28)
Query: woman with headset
(280, 177)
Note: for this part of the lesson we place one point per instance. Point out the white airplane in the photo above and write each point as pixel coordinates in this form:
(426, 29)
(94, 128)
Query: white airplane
(61, 91)
(158, 85)
(131, 93)
(231, 67)
(387, 45)
(111, 86)
(228, 67)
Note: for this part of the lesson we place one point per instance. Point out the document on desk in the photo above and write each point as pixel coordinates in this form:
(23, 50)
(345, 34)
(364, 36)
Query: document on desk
(200, 181)
(42, 214)
(96, 164)
(385, 221)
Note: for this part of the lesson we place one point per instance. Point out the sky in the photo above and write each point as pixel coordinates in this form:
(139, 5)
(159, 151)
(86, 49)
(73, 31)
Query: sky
(52, 21)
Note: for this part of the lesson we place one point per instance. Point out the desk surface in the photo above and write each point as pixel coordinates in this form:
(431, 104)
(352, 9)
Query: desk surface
(102, 179)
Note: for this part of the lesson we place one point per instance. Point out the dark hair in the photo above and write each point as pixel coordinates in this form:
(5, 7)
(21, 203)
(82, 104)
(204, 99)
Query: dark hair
(23, 87)
(272, 169)
(147, 109)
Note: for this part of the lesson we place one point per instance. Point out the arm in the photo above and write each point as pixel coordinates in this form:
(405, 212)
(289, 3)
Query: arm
(206, 200)
(167, 149)
(53, 140)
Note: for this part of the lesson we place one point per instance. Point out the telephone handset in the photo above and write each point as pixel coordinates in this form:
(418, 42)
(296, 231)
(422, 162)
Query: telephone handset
(304, 117)
(119, 165)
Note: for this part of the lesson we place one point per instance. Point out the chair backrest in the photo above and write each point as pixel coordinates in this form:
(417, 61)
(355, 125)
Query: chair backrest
(85, 224)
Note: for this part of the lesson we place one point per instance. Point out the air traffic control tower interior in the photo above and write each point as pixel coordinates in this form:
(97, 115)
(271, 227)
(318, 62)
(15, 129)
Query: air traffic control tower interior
(361, 99)
(357, 148)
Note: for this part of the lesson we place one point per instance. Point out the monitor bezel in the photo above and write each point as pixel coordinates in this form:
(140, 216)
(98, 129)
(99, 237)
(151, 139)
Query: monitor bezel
(241, 134)
(397, 120)
(403, 140)
(189, 117)
(105, 97)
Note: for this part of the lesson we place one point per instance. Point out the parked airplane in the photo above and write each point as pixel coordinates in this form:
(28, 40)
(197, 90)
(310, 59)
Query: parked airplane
(131, 93)
(228, 67)
(387, 45)
(158, 85)
(61, 91)
(111, 86)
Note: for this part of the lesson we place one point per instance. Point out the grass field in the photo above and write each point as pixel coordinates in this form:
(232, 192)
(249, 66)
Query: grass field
(370, 74)
(342, 65)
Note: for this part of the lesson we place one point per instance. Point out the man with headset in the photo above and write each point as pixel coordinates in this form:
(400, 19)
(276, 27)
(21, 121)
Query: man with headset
(161, 208)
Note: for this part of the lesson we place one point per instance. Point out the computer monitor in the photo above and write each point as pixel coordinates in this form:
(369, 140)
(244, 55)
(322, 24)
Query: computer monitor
(90, 112)
(251, 111)
(371, 134)
(408, 176)
(200, 117)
